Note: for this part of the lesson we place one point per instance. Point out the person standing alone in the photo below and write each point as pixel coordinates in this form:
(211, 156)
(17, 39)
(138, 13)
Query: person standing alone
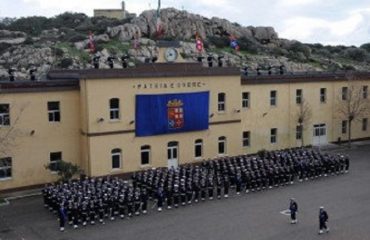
(323, 219)
(293, 207)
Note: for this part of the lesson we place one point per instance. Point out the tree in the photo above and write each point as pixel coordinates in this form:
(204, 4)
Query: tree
(9, 133)
(304, 114)
(65, 170)
(353, 104)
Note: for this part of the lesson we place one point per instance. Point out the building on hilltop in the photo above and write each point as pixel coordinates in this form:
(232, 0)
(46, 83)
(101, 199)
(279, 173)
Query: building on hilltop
(119, 14)
(116, 121)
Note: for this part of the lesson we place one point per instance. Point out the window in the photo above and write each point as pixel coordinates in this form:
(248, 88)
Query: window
(54, 111)
(221, 102)
(5, 168)
(364, 124)
(322, 95)
(4, 115)
(246, 138)
(319, 130)
(298, 97)
(55, 158)
(344, 126)
(344, 93)
(273, 98)
(273, 136)
(364, 92)
(198, 148)
(222, 145)
(245, 100)
(145, 155)
(114, 108)
(298, 132)
(116, 158)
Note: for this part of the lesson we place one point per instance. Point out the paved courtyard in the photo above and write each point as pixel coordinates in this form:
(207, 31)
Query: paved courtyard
(254, 216)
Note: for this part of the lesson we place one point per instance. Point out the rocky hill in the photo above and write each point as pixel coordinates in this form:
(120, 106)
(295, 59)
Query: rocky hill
(62, 42)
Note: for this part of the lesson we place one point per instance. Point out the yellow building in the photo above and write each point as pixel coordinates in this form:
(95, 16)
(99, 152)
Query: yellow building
(119, 14)
(88, 117)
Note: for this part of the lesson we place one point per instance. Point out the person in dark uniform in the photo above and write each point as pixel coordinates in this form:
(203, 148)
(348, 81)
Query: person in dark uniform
(189, 192)
(101, 211)
(96, 60)
(218, 186)
(323, 219)
(346, 161)
(124, 60)
(62, 217)
(293, 207)
(144, 201)
(226, 186)
(110, 61)
(176, 195)
(160, 198)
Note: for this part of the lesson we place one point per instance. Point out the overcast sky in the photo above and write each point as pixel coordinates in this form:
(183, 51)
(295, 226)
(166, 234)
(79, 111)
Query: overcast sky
(311, 21)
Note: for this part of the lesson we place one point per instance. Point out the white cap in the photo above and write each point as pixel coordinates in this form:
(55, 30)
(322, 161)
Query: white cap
(321, 207)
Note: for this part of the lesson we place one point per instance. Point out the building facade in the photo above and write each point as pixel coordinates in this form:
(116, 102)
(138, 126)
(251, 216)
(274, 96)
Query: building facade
(89, 117)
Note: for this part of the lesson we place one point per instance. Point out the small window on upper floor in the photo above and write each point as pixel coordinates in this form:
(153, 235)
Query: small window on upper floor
(4, 115)
(221, 100)
(114, 108)
(273, 98)
(54, 111)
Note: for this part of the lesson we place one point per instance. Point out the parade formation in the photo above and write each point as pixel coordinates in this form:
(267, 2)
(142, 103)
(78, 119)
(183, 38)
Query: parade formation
(90, 200)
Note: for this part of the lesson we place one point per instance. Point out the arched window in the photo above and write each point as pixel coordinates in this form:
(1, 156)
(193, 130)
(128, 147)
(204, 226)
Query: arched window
(114, 108)
(221, 100)
(116, 158)
(198, 148)
(145, 155)
(222, 145)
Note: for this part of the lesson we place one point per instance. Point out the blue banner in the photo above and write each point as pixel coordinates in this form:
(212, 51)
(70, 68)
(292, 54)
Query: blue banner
(171, 113)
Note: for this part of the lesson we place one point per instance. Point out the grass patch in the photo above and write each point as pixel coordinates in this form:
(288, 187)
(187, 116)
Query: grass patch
(116, 46)
(73, 52)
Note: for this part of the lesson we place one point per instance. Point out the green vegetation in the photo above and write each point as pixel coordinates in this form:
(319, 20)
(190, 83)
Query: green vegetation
(65, 49)
(65, 170)
(115, 46)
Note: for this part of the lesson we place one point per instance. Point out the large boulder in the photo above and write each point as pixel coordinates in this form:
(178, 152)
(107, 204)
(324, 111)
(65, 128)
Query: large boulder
(125, 32)
(6, 34)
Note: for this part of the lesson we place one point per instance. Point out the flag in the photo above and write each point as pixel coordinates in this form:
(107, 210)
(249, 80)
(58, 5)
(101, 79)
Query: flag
(159, 29)
(234, 43)
(136, 40)
(91, 43)
(198, 43)
(157, 114)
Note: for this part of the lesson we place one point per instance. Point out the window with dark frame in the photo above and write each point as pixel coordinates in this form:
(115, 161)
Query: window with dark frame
(298, 132)
(5, 168)
(364, 124)
(298, 98)
(245, 100)
(198, 148)
(4, 115)
(221, 102)
(273, 95)
(273, 136)
(246, 138)
(344, 93)
(114, 108)
(54, 111)
(323, 95)
(222, 145)
(55, 159)
(364, 92)
(344, 126)
(116, 158)
(145, 155)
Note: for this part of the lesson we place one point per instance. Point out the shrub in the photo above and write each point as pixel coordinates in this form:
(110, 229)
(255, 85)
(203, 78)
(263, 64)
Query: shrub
(366, 47)
(66, 170)
(66, 62)
(356, 54)
(218, 42)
